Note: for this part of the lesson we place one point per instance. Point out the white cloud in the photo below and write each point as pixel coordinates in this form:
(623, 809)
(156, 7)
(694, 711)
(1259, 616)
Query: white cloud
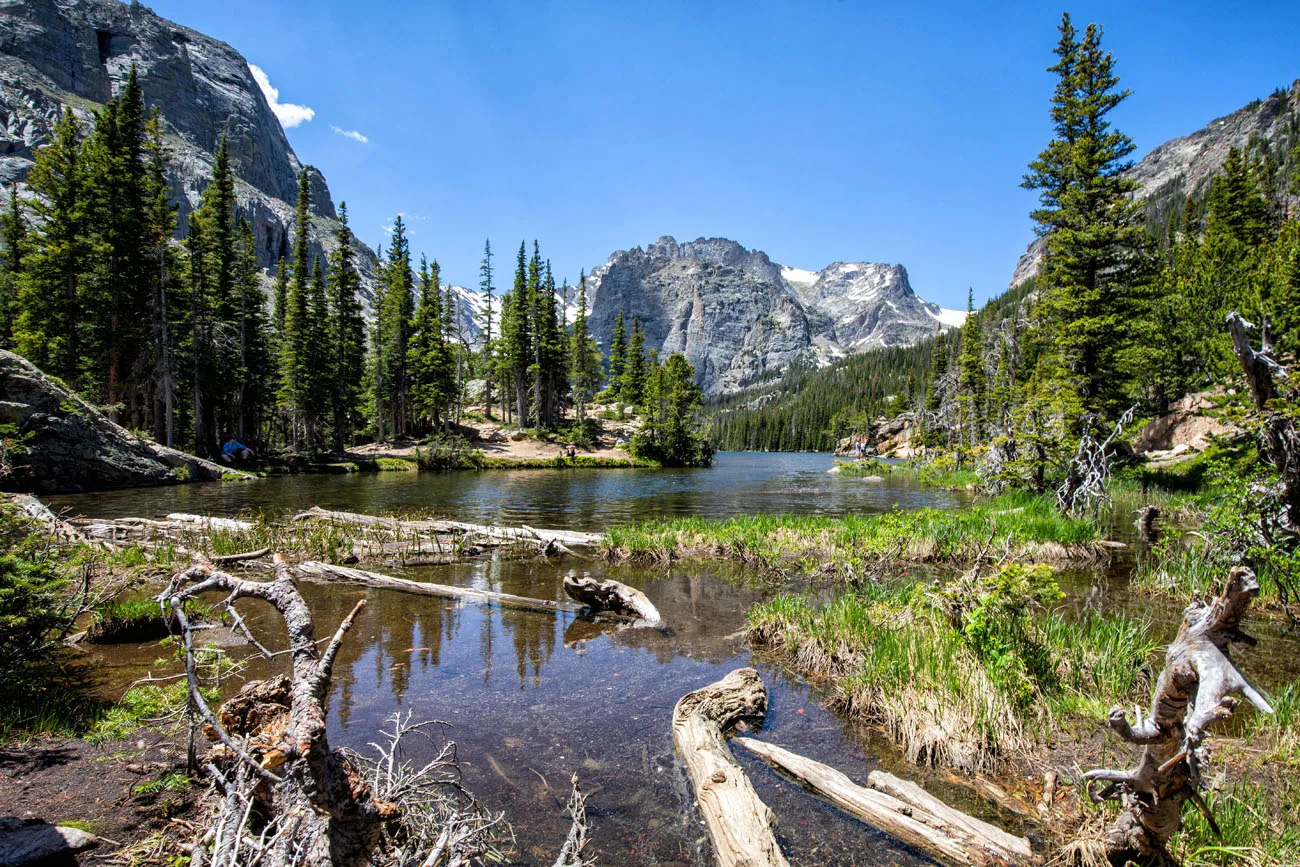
(290, 115)
(350, 133)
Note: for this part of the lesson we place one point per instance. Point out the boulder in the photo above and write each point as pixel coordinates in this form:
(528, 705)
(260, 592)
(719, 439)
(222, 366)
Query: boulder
(58, 443)
(27, 841)
(1187, 427)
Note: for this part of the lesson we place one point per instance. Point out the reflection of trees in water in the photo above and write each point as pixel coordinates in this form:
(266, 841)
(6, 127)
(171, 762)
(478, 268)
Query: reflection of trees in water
(410, 632)
(533, 634)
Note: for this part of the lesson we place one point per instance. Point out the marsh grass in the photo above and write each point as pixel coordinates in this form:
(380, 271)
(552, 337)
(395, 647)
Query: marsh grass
(957, 692)
(1023, 527)
(133, 620)
(1257, 820)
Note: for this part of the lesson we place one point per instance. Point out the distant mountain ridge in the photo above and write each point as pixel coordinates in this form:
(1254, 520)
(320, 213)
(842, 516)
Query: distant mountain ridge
(738, 316)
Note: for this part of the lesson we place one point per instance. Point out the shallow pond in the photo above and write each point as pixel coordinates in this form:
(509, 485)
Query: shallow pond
(532, 698)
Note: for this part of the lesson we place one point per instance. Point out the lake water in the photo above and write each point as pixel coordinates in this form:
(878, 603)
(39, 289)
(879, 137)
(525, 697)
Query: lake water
(532, 698)
(582, 499)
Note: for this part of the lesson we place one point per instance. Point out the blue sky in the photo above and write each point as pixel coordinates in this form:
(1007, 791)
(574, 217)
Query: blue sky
(815, 130)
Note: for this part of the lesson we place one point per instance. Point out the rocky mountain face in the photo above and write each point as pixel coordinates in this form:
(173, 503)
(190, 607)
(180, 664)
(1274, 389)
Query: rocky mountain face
(1186, 165)
(77, 53)
(737, 316)
(68, 445)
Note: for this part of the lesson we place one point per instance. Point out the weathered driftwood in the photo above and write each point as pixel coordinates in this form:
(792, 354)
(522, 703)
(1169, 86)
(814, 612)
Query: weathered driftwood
(987, 835)
(1148, 515)
(919, 820)
(739, 823)
(329, 815)
(612, 596)
(330, 572)
(1195, 690)
(39, 512)
(556, 539)
(209, 523)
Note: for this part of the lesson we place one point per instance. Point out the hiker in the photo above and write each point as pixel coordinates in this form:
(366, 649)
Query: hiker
(233, 450)
(572, 452)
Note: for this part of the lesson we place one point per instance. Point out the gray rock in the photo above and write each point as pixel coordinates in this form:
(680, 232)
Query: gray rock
(65, 444)
(737, 316)
(78, 53)
(26, 841)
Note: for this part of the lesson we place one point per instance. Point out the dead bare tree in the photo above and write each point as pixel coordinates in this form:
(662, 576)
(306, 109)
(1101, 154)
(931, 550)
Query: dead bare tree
(1087, 478)
(1280, 439)
(1196, 689)
(285, 797)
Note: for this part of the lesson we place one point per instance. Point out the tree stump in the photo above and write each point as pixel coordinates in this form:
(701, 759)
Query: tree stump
(1195, 690)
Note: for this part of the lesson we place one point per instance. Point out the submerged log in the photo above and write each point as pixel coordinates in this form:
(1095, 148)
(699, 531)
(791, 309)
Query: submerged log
(945, 834)
(612, 596)
(331, 572)
(739, 823)
(989, 836)
(1196, 689)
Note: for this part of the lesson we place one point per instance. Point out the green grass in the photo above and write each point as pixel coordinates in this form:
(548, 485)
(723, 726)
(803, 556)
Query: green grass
(1027, 527)
(1257, 820)
(171, 782)
(395, 465)
(960, 689)
(131, 620)
(484, 462)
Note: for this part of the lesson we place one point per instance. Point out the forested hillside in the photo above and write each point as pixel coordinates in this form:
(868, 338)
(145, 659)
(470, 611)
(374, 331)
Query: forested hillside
(1148, 324)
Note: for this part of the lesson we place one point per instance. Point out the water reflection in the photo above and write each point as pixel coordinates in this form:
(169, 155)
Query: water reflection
(740, 483)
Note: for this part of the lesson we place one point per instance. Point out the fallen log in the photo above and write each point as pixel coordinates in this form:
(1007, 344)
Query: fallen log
(1197, 688)
(937, 836)
(207, 522)
(528, 535)
(612, 596)
(331, 572)
(39, 512)
(739, 823)
(991, 836)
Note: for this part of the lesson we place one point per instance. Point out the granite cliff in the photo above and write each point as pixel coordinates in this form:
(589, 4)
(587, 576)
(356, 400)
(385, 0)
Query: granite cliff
(738, 316)
(77, 53)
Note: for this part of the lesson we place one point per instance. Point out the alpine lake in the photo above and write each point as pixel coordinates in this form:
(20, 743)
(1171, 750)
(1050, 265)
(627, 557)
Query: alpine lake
(532, 698)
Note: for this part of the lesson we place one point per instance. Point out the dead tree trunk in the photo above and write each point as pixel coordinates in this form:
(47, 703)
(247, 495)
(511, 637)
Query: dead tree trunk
(324, 813)
(612, 596)
(1195, 690)
(739, 823)
(1281, 441)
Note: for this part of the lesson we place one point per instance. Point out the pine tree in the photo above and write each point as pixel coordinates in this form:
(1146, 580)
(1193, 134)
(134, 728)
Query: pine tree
(164, 267)
(1095, 260)
(972, 380)
(295, 332)
(486, 287)
(13, 235)
(1237, 209)
(47, 329)
(254, 369)
(584, 356)
(427, 350)
(634, 366)
(394, 318)
(517, 352)
(348, 338)
(319, 386)
(617, 356)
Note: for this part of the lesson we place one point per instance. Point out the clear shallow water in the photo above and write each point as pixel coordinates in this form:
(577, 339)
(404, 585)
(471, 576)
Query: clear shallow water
(739, 483)
(533, 698)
